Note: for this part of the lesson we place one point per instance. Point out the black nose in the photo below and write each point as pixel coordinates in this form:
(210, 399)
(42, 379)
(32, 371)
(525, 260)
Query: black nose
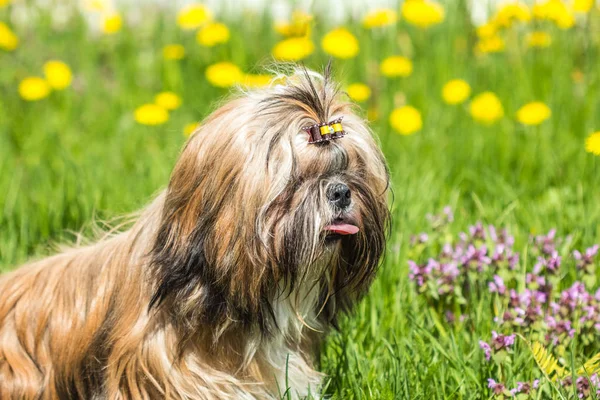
(339, 195)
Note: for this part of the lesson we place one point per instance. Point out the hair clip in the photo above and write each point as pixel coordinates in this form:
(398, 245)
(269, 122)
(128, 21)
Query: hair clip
(324, 132)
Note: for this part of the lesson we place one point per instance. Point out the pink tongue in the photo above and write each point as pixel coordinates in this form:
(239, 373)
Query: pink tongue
(342, 229)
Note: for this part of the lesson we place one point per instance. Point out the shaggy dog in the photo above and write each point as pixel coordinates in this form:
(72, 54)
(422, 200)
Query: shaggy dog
(227, 282)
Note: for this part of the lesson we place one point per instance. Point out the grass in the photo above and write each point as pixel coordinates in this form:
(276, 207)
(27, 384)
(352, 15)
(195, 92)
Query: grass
(79, 155)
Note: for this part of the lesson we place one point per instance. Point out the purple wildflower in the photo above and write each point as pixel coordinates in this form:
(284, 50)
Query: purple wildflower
(486, 349)
(586, 260)
(497, 387)
(497, 286)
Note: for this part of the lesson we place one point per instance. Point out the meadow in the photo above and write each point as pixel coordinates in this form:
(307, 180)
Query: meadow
(492, 124)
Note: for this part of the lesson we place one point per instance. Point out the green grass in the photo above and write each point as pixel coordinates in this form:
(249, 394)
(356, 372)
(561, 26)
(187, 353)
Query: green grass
(79, 156)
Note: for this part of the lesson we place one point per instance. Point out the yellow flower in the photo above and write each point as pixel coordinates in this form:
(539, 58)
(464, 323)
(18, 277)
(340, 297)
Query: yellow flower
(256, 80)
(456, 91)
(112, 23)
(297, 27)
(487, 30)
(168, 100)
(4, 3)
(539, 39)
(592, 143)
(212, 34)
(188, 129)
(510, 13)
(486, 108)
(422, 13)
(224, 74)
(151, 114)
(555, 11)
(406, 120)
(380, 17)
(173, 52)
(396, 66)
(58, 74)
(293, 49)
(583, 6)
(193, 16)
(492, 44)
(359, 91)
(340, 43)
(533, 113)
(34, 88)
(8, 40)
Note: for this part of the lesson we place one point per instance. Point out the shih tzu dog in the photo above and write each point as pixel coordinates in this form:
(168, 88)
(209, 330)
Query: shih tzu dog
(274, 221)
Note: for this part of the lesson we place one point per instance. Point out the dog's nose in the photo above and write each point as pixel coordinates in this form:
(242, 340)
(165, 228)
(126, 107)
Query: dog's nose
(339, 195)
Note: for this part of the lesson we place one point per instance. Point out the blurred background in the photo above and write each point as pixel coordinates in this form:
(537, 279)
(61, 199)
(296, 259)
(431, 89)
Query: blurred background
(490, 107)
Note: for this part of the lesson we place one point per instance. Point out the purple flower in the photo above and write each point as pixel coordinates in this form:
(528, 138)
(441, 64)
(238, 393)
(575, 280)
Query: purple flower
(419, 273)
(503, 238)
(497, 286)
(501, 342)
(525, 387)
(497, 388)
(487, 349)
(475, 258)
(546, 244)
(586, 260)
(477, 232)
(551, 264)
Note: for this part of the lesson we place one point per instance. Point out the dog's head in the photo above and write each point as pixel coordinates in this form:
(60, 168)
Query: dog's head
(255, 211)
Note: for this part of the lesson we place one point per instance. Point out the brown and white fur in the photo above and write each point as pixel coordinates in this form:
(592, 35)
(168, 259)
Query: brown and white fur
(226, 284)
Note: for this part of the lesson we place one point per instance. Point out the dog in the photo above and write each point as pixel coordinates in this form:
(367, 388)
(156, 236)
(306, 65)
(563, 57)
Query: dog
(274, 222)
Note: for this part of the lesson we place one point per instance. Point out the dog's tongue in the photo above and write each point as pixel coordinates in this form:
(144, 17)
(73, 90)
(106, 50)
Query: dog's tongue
(342, 229)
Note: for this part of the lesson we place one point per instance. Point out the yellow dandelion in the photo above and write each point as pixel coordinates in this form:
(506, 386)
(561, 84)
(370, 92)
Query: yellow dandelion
(168, 100)
(492, 44)
(112, 23)
(456, 91)
(212, 34)
(380, 17)
(396, 66)
(151, 114)
(358, 92)
(555, 11)
(58, 74)
(193, 16)
(173, 52)
(533, 113)
(34, 88)
(224, 74)
(486, 108)
(188, 129)
(299, 25)
(583, 6)
(340, 43)
(510, 13)
(4, 3)
(487, 30)
(256, 80)
(293, 49)
(592, 143)
(538, 39)
(406, 120)
(422, 13)
(8, 40)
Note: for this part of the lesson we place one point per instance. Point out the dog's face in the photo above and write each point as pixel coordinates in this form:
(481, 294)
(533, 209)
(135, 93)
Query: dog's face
(254, 212)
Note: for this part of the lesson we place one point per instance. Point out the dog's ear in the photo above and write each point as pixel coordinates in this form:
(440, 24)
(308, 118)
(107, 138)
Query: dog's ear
(206, 263)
